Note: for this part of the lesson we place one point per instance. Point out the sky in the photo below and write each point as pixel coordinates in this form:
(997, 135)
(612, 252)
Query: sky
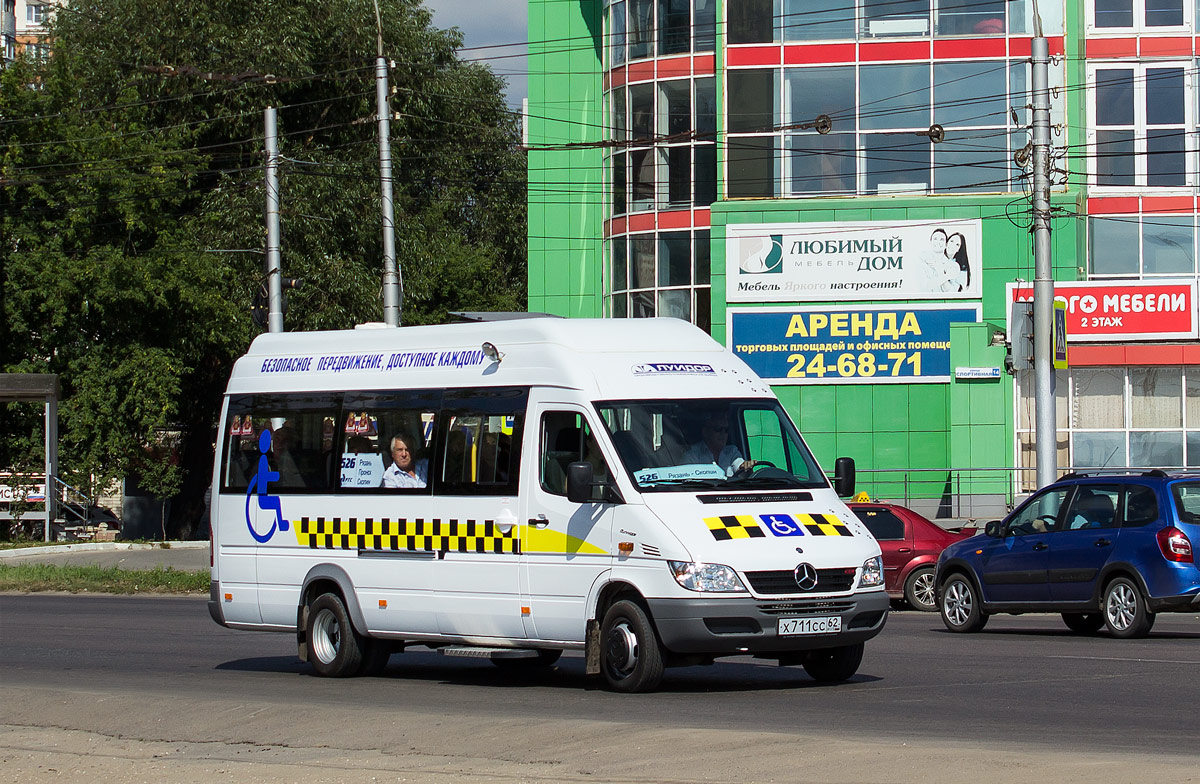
(489, 23)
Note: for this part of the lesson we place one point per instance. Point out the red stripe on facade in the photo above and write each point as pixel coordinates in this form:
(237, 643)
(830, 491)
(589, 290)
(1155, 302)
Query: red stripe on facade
(1023, 47)
(1164, 204)
(804, 54)
(962, 48)
(1081, 355)
(1113, 205)
(753, 55)
(618, 227)
(675, 219)
(702, 218)
(1166, 47)
(674, 66)
(1089, 356)
(604, 81)
(1112, 47)
(704, 65)
(617, 76)
(641, 72)
(641, 222)
(893, 50)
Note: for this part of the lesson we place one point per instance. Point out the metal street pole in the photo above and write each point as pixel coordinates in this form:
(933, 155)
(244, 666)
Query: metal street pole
(1043, 280)
(393, 287)
(274, 286)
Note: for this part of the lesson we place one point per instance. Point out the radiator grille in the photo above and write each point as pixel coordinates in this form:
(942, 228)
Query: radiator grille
(806, 608)
(784, 581)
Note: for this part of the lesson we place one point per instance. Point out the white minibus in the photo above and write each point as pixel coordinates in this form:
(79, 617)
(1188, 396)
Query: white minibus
(513, 489)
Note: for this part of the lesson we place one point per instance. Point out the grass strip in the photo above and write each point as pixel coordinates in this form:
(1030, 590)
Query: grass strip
(99, 579)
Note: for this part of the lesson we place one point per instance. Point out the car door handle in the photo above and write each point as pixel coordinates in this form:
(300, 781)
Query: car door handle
(1040, 546)
(904, 550)
(1103, 542)
(539, 522)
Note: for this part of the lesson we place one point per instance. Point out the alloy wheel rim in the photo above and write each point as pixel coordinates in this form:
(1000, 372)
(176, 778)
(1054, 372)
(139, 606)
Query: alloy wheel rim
(925, 590)
(1121, 607)
(958, 603)
(327, 636)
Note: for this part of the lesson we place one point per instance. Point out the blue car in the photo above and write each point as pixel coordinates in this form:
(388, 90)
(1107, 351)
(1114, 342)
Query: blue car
(1104, 550)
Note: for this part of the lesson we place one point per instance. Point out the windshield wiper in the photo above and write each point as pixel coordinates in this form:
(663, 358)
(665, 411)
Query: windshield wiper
(765, 481)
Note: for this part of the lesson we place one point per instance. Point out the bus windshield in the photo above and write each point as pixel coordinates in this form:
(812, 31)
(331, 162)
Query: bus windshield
(680, 445)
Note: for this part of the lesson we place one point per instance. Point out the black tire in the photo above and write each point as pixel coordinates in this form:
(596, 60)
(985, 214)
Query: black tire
(544, 659)
(1124, 610)
(959, 605)
(630, 656)
(1084, 623)
(376, 654)
(831, 665)
(920, 590)
(335, 650)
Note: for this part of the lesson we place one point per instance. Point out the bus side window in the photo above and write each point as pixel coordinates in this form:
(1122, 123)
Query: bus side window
(481, 441)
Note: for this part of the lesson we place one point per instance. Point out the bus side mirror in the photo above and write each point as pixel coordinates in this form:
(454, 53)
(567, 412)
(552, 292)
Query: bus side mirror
(579, 482)
(843, 476)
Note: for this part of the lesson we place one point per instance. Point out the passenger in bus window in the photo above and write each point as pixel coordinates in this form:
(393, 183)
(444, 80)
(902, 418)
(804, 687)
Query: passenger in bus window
(408, 468)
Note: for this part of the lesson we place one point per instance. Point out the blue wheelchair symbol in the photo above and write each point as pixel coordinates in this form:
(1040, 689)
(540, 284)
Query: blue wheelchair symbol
(782, 525)
(257, 489)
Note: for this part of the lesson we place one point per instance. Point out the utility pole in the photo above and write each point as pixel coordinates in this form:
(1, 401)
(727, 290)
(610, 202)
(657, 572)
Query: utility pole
(393, 287)
(1043, 280)
(274, 287)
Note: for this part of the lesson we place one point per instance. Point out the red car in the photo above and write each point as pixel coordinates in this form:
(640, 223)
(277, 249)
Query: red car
(911, 545)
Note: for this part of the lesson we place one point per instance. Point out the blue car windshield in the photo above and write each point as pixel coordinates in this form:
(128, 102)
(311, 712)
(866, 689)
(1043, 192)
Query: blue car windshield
(682, 445)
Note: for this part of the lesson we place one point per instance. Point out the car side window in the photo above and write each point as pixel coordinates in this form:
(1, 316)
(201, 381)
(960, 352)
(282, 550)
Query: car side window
(1039, 515)
(883, 524)
(566, 438)
(1141, 505)
(1094, 506)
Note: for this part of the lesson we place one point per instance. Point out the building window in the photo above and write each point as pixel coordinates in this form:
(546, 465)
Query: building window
(669, 131)
(35, 13)
(661, 274)
(877, 114)
(1118, 417)
(1139, 134)
(768, 21)
(1129, 15)
(636, 29)
(1142, 246)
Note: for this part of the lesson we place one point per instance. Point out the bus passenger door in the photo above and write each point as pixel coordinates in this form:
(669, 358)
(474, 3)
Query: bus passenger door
(565, 547)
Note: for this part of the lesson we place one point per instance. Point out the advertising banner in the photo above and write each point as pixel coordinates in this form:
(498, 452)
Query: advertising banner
(834, 345)
(1122, 310)
(867, 260)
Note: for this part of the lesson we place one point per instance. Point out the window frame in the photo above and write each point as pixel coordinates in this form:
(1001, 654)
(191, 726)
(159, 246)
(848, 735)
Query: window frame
(1139, 25)
(1140, 127)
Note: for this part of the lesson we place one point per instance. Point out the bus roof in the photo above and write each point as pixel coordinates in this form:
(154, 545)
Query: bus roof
(605, 358)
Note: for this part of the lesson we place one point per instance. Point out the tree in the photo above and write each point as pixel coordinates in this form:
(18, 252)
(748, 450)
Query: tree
(132, 191)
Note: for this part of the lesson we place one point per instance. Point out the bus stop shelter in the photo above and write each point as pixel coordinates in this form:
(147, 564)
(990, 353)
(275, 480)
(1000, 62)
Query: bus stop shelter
(39, 388)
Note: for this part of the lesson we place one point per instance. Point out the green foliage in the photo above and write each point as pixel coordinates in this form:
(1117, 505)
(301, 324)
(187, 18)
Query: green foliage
(100, 579)
(131, 203)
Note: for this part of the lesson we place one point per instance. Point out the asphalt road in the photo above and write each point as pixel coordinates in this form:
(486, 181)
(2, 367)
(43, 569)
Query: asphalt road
(1024, 698)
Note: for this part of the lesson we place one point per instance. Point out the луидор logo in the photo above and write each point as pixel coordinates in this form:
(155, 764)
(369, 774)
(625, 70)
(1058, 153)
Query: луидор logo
(761, 255)
(672, 368)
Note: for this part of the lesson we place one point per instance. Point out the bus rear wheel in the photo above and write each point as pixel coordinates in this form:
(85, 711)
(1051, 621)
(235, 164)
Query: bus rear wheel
(334, 648)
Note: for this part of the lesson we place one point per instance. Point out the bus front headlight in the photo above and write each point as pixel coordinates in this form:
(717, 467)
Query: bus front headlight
(872, 572)
(705, 577)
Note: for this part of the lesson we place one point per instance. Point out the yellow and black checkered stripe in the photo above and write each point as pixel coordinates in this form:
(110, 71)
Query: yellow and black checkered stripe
(433, 536)
(734, 527)
(823, 525)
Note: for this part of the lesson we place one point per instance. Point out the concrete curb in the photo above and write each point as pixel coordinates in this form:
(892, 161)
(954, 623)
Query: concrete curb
(84, 546)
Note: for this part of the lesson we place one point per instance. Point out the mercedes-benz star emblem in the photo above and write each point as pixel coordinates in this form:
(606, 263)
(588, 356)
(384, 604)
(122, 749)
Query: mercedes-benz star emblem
(806, 577)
